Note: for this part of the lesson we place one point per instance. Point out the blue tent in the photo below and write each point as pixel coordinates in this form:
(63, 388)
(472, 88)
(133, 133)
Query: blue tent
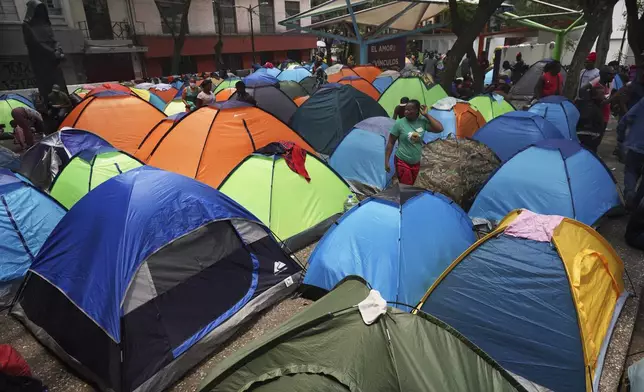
(552, 177)
(359, 156)
(146, 275)
(294, 74)
(385, 80)
(268, 71)
(9, 159)
(562, 113)
(27, 216)
(260, 79)
(511, 132)
(488, 77)
(331, 113)
(399, 241)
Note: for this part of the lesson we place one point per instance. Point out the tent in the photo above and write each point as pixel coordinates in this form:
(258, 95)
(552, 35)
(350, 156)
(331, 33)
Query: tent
(269, 71)
(458, 117)
(225, 94)
(109, 87)
(387, 240)
(151, 98)
(175, 106)
(556, 176)
(508, 134)
(27, 217)
(561, 112)
(292, 89)
(156, 134)
(8, 102)
(166, 92)
(329, 114)
(337, 72)
(45, 159)
(228, 83)
(328, 347)
(523, 89)
(300, 100)
(491, 105)
(457, 168)
(412, 88)
(488, 77)
(209, 142)
(181, 267)
(293, 74)
(360, 155)
(82, 91)
(259, 79)
(9, 159)
(87, 170)
(540, 295)
(385, 80)
(123, 119)
(367, 72)
(361, 84)
(272, 100)
(309, 84)
(296, 210)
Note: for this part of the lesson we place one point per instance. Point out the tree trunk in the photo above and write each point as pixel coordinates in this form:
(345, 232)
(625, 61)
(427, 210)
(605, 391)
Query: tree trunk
(180, 39)
(219, 46)
(635, 31)
(478, 74)
(603, 42)
(465, 39)
(594, 22)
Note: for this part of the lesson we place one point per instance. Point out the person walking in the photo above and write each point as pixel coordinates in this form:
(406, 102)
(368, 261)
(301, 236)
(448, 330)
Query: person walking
(408, 132)
(630, 131)
(589, 73)
(591, 126)
(550, 82)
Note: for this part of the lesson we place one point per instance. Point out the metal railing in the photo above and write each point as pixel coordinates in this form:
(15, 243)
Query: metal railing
(113, 30)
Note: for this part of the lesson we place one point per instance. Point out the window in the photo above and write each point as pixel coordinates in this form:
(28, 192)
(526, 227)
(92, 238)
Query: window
(54, 7)
(292, 8)
(266, 17)
(171, 12)
(228, 16)
(8, 11)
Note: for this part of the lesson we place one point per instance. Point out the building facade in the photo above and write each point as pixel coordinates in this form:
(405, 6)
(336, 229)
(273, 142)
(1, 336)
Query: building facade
(107, 40)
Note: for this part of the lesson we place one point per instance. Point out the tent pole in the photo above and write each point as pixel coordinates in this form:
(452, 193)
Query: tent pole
(364, 59)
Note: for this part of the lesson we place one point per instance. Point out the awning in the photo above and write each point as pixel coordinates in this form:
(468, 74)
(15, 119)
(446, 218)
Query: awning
(96, 49)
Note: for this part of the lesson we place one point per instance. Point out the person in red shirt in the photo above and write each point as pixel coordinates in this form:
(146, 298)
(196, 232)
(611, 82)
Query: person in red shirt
(551, 82)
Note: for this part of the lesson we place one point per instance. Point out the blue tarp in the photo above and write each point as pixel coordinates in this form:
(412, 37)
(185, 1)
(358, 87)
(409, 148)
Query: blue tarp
(511, 132)
(511, 297)
(93, 253)
(553, 177)
(561, 112)
(359, 157)
(294, 74)
(399, 249)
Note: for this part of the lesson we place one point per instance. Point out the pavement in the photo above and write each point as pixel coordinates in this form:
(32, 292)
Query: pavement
(60, 378)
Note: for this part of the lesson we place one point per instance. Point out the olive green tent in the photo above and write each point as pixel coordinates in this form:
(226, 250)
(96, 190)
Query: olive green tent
(297, 211)
(412, 87)
(228, 83)
(87, 170)
(491, 105)
(328, 347)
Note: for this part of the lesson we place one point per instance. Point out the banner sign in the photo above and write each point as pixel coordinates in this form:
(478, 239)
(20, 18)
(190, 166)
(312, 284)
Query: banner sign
(388, 54)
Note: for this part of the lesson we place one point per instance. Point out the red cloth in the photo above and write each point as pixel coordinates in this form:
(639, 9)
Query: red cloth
(294, 155)
(552, 84)
(406, 173)
(12, 363)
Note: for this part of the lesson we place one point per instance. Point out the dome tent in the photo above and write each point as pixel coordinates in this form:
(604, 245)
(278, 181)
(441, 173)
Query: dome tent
(269, 71)
(337, 72)
(187, 267)
(27, 217)
(166, 92)
(540, 295)
(412, 87)
(123, 119)
(300, 100)
(556, 177)
(155, 135)
(209, 142)
(296, 210)
(309, 84)
(335, 350)
(367, 72)
(271, 99)
(386, 241)
(523, 89)
(562, 113)
(8, 102)
(293, 74)
(228, 83)
(359, 156)
(510, 133)
(329, 114)
(87, 170)
(491, 106)
(45, 159)
(150, 98)
(385, 80)
(293, 89)
(362, 85)
(458, 118)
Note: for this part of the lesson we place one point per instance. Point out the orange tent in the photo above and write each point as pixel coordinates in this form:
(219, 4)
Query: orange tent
(224, 94)
(300, 100)
(166, 95)
(367, 72)
(121, 119)
(345, 71)
(156, 134)
(361, 84)
(209, 142)
(109, 86)
(465, 119)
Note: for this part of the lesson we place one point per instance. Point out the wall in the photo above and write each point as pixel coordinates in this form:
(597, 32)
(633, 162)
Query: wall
(147, 13)
(201, 18)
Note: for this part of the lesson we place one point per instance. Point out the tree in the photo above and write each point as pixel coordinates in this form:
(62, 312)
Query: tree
(595, 12)
(467, 30)
(603, 42)
(635, 30)
(169, 10)
(219, 46)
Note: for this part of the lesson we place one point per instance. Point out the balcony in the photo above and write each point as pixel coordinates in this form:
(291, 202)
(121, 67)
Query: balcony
(109, 31)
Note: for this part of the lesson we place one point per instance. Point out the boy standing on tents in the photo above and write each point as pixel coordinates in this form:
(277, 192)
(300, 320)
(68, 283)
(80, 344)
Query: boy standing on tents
(409, 131)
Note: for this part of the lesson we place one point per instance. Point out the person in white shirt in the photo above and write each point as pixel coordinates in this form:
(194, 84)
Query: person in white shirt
(589, 73)
(205, 97)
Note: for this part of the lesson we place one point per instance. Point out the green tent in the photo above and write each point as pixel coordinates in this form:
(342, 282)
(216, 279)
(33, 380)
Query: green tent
(491, 105)
(297, 211)
(87, 170)
(228, 83)
(328, 347)
(412, 87)
(8, 102)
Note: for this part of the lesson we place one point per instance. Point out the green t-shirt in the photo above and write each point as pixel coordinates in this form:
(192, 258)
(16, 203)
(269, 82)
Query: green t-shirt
(408, 150)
